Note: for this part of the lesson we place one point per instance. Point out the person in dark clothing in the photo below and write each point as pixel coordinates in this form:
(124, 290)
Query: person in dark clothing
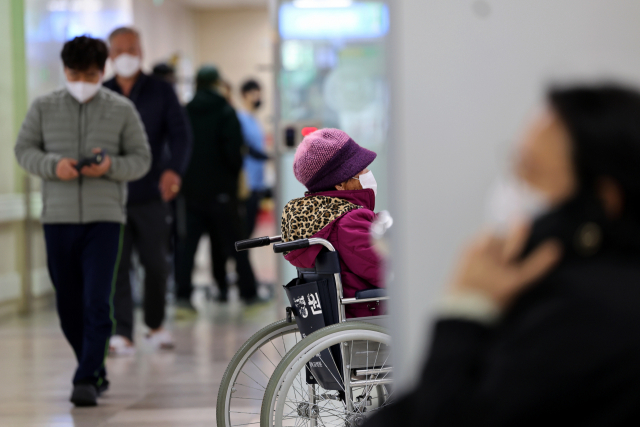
(210, 189)
(548, 334)
(149, 216)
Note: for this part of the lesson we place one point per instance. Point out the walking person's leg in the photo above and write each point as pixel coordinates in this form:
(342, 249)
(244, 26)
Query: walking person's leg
(230, 228)
(246, 279)
(252, 209)
(219, 252)
(152, 241)
(189, 246)
(179, 233)
(219, 265)
(102, 246)
(63, 245)
(122, 341)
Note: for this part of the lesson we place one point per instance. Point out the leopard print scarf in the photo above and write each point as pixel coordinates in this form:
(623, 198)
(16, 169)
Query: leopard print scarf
(304, 217)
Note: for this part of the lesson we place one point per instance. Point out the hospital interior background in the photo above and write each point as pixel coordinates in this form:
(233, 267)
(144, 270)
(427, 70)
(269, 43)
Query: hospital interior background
(437, 89)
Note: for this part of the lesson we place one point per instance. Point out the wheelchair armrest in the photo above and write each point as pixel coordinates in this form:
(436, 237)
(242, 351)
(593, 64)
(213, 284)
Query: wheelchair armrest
(371, 293)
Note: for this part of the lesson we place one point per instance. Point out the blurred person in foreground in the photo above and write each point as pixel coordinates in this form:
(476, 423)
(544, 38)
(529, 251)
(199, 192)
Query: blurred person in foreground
(338, 207)
(149, 215)
(542, 327)
(256, 156)
(210, 190)
(84, 211)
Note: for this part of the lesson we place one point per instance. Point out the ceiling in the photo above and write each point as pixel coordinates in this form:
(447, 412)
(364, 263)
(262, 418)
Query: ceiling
(215, 4)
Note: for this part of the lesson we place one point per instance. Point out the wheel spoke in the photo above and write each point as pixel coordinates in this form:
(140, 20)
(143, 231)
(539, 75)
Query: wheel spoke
(251, 378)
(257, 367)
(244, 410)
(252, 388)
(274, 365)
(276, 348)
(293, 398)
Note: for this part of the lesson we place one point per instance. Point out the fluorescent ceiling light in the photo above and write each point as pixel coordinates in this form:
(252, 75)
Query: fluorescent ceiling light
(316, 4)
(74, 5)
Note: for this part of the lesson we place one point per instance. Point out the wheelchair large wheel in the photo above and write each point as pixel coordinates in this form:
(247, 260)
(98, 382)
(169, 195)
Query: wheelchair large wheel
(246, 377)
(291, 401)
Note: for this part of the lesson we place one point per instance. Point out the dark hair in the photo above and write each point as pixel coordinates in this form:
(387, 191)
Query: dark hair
(163, 69)
(83, 52)
(207, 76)
(248, 86)
(604, 125)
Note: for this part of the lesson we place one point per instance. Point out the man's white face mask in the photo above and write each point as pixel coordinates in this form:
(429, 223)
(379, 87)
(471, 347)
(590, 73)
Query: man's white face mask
(126, 65)
(368, 181)
(83, 91)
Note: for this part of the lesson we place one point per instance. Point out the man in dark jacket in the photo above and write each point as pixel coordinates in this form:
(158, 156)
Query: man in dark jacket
(211, 189)
(148, 214)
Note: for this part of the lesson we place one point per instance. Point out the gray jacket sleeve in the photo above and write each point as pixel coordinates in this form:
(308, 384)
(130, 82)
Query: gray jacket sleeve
(29, 147)
(134, 160)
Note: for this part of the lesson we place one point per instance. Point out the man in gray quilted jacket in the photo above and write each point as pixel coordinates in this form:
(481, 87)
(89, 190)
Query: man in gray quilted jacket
(84, 204)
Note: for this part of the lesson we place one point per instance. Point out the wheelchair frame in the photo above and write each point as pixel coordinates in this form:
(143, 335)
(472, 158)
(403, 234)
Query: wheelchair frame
(281, 247)
(342, 301)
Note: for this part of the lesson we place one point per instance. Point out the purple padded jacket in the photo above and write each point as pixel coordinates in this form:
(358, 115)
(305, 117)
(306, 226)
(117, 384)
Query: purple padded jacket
(350, 234)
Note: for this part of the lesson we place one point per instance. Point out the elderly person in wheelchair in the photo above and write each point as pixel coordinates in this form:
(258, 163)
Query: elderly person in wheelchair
(331, 365)
(338, 207)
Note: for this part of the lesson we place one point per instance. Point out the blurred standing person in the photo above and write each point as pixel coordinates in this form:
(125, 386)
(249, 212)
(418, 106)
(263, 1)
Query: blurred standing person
(84, 210)
(166, 72)
(210, 189)
(225, 89)
(256, 156)
(541, 326)
(149, 216)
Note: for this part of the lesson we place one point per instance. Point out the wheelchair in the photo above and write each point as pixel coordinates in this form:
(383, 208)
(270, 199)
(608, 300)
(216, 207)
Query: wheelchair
(315, 367)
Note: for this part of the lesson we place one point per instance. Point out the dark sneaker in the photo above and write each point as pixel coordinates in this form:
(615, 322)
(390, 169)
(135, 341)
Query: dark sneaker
(103, 387)
(84, 394)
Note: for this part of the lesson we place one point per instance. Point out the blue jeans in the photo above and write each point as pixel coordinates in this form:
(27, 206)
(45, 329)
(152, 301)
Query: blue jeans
(83, 262)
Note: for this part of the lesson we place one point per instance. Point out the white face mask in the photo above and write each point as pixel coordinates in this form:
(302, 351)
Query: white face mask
(368, 181)
(511, 201)
(83, 91)
(126, 65)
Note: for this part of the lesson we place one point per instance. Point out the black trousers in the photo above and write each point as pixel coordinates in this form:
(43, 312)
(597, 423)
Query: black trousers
(221, 221)
(148, 230)
(83, 261)
(252, 207)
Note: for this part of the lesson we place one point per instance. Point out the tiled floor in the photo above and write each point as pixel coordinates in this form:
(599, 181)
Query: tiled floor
(176, 388)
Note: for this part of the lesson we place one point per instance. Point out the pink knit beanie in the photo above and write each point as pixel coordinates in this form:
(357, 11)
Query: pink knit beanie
(328, 157)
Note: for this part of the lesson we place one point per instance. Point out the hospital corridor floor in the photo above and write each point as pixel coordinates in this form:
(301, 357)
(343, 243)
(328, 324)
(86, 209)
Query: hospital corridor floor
(161, 389)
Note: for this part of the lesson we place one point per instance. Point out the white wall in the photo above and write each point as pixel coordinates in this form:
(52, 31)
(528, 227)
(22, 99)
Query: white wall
(466, 76)
(238, 42)
(167, 30)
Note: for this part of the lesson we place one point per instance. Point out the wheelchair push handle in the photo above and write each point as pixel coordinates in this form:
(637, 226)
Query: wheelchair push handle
(290, 246)
(301, 244)
(244, 245)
